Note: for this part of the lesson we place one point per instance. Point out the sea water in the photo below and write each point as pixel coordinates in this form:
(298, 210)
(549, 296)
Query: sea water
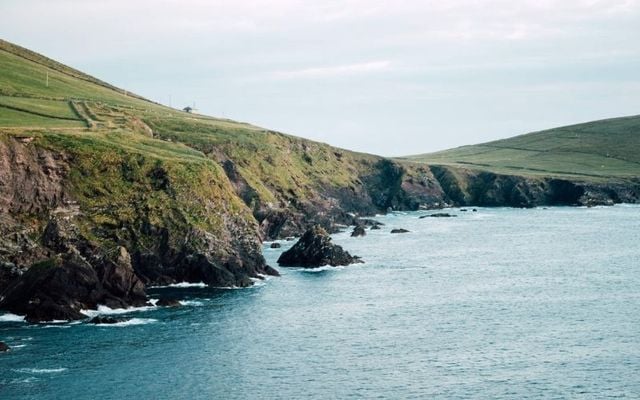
(499, 303)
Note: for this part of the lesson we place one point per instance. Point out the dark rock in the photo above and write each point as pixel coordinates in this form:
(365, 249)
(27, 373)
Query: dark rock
(105, 320)
(290, 239)
(475, 210)
(315, 249)
(4, 347)
(275, 245)
(358, 231)
(368, 222)
(399, 230)
(57, 289)
(464, 210)
(164, 302)
(438, 215)
(375, 227)
(269, 270)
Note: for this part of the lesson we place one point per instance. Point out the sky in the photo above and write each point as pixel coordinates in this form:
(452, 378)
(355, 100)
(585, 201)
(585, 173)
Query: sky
(386, 77)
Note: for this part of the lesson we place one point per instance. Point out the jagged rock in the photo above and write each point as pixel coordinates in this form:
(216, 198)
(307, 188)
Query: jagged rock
(57, 289)
(4, 347)
(269, 270)
(105, 320)
(165, 302)
(438, 215)
(315, 249)
(358, 231)
(275, 245)
(399, 230)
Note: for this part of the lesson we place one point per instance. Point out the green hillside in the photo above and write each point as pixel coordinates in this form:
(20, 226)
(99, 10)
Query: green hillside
(595, 151)
(271, 172)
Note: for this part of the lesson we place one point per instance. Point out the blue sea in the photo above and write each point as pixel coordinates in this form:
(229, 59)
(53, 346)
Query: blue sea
(494, 304)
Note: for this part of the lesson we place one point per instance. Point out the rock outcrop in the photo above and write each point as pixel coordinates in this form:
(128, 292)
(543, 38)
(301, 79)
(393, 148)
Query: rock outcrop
(4, 347)
(358, 231)
(315, 249)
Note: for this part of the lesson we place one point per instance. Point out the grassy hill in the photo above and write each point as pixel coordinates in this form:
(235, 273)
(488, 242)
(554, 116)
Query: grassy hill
(281, 179)
(593, 151)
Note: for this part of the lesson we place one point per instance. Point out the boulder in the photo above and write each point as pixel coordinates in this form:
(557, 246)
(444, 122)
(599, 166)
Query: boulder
(358, 231)
(105, 320)
(4, 347)
(165, 302)
(315, 249)
(399, 230)
(275, 245)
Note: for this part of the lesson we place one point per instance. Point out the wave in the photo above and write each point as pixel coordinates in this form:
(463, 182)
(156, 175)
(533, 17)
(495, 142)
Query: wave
(40, 370)
(319, 269)
(131, 322)
(18, 346)
(8, 317)
(181, 285)
(104, 310)
(191, 303)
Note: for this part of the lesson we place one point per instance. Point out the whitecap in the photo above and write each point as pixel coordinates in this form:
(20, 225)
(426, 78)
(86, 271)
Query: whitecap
(319, 269)
(40, 370)
(8, 317)
(104, 310)
(61, 326)
(131, 322)
(18, 346)
(181, 285)
(191, 303)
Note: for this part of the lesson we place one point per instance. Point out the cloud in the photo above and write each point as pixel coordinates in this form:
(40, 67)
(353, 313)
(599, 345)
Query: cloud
(334, 71)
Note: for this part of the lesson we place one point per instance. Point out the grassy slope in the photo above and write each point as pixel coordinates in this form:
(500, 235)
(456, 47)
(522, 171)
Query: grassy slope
(84, 115)
(593, 151)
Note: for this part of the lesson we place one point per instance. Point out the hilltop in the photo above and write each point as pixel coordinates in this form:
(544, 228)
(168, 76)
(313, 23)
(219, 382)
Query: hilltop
(593, 151)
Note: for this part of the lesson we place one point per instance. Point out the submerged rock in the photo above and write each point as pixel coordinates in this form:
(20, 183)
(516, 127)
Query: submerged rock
(165, 302)
(4, 347)
(438, 215)
(358, 231)
(275, 245)
(399, 230)
(315, 249)
(375, 227)
(105, 320)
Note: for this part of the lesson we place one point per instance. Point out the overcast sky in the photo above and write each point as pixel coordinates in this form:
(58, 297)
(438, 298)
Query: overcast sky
(386, 77)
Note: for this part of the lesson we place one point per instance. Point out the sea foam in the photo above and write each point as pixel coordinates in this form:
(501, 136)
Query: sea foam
(11, 318)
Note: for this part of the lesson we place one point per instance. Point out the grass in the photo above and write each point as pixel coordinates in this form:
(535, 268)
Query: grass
(596, 150)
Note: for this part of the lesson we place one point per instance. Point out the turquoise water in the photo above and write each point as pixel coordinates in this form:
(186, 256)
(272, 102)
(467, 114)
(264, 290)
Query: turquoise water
(496, 304)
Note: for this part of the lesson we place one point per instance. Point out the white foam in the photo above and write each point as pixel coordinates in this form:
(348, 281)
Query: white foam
(132, 321)
(11, 318)
(40, 370)
(18, 346)
(104, 310)
(320, 269)
(191, 303)
(181, 285)
(61, 326)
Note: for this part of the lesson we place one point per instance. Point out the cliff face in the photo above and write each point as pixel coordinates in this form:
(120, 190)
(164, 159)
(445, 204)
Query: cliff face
(482, 188)
(83, 226)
